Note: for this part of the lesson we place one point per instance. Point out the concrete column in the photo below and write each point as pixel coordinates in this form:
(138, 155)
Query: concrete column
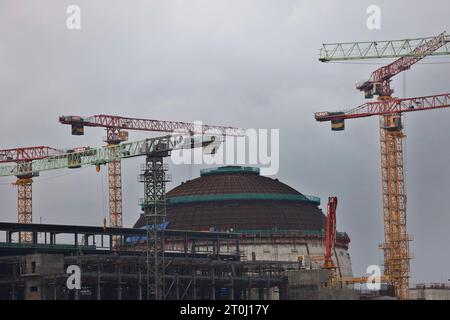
(43, 294)
(119, 288)
(213, 292)
(54, 288)
(271, 294)
(13, 285)
(213, 284)
(194, 289)
(13, 291)
(99, 286)
(232, 292)
(140, 285)
(283, 292)
(177, 283)
(261, 294)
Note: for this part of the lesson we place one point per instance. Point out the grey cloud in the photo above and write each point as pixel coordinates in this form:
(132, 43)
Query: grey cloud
(240, 63)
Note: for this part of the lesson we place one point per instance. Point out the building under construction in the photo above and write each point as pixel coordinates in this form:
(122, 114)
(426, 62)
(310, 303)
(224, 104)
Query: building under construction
(248, 237)
(275, 221)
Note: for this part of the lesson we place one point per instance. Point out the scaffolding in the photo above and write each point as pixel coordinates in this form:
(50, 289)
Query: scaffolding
(123, 277)
(153, 204)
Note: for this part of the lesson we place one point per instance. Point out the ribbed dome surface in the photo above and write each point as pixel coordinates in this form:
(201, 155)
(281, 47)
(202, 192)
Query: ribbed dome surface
(231, 181)
(239, 198)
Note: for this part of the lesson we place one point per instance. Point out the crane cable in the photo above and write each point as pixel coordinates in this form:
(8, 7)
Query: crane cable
(49, 177)
(102, 182)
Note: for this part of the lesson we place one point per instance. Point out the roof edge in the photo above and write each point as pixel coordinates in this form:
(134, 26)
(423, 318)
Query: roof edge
(229, 170)
(244, 196)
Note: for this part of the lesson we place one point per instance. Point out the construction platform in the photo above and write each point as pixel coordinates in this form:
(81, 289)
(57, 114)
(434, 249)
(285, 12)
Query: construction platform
(197, 266)
(194, 265)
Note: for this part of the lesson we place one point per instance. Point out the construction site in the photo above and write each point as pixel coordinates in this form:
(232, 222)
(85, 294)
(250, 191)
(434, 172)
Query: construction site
(229, 233)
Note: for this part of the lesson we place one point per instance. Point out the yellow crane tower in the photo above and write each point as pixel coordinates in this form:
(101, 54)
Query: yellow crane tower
(389, 110)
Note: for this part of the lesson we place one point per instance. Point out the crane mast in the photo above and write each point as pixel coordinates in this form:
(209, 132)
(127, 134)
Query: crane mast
(24, 183)
(390, 110)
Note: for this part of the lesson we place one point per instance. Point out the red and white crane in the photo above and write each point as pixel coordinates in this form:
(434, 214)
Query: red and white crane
(115, 134)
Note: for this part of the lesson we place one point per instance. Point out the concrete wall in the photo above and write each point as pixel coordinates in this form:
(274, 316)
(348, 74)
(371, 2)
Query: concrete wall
(37, 266)
(286, 250)
(44, 264)
(291, 252)
(312, 285)
(429, 294)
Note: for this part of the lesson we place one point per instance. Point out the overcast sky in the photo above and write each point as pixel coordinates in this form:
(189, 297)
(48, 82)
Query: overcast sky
(251, 64)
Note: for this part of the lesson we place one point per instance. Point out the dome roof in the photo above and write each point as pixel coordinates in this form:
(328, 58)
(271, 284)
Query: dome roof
(239, 198)
(231, 180)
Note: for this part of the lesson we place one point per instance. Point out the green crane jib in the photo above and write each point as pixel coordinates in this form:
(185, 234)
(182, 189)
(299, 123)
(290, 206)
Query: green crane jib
(380, 49)
(99, 156)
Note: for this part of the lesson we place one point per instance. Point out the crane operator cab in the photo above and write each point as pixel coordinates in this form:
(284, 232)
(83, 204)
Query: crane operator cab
(393, 122)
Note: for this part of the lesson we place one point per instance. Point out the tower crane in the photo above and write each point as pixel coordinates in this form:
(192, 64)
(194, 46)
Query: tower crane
(24, 183)
(390, 110)
(115, 134)
(153, 176)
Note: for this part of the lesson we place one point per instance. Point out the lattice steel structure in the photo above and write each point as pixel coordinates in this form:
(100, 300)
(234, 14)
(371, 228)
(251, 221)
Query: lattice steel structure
(124, 123)
(115, 206)
(379, 49)
(396, 238)
(25, 204)
(153, 204)
(111, 155)
(23, 157)
(389, 109)
(103, 155)
(115, 134)
(115, 193)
